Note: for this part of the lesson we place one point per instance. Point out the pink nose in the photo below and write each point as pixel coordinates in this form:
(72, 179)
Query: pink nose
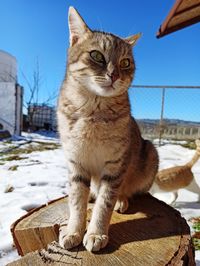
(114, 76)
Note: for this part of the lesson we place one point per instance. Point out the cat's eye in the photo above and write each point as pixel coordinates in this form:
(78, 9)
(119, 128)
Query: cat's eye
(97, 56)
(125, 63)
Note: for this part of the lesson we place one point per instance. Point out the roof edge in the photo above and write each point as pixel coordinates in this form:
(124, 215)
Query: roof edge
(161, 31)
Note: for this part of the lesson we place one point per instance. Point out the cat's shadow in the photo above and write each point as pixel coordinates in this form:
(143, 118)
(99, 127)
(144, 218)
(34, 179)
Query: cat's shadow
(158, 220)
(139, 230)
(187, 205)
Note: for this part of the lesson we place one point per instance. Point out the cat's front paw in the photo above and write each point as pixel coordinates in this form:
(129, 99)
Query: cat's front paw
(95, 242)
(121, 205)
(68, 241)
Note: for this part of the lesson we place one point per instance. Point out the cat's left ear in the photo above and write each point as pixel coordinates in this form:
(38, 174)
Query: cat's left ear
(77, 26)
(132, 40)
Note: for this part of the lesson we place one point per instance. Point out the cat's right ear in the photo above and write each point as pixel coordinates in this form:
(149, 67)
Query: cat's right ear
(132, 40)
(77, 26)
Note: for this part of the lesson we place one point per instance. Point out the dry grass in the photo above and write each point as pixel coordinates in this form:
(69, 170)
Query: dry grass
(16, 153)
(190, 145)
(196, 236)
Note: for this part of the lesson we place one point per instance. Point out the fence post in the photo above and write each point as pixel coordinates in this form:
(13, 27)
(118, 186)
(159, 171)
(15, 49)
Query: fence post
(161, 116)
(198, 134)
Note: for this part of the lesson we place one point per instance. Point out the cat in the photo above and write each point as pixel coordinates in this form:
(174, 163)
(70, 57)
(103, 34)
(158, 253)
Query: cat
(174, 178)
(103, 146)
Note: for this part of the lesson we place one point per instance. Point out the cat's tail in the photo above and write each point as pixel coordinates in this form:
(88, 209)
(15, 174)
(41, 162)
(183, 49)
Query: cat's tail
(196, 155)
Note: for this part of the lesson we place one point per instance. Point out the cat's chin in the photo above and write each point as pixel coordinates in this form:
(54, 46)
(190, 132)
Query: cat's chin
(105, 91)
(108, 88)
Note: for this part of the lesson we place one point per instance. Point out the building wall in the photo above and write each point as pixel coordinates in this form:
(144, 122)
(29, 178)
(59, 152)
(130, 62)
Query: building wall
(19, 109)
(8, 67)
(11, 107)
(11, 95)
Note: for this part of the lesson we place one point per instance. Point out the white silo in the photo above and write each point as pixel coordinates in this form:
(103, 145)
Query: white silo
(8, 67)
(11, 95)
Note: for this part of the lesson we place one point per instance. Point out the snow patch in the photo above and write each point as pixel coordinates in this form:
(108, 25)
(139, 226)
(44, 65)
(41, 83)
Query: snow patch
(42, 176)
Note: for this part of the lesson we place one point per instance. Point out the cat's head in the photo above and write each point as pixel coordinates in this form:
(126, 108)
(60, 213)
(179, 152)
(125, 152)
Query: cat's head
(101, 62)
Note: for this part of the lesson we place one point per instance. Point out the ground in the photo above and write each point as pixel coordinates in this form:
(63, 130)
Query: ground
(33, 172)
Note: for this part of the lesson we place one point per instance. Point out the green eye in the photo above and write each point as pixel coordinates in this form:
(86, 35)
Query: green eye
(125, 63)
(97, 56)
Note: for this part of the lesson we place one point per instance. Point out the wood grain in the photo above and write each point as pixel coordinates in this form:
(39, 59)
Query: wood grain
(150, 233)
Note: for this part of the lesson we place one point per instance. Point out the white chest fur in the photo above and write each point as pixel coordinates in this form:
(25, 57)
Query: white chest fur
(93, 143)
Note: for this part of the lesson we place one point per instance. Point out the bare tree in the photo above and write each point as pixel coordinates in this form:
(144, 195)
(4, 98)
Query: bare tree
(33, 100)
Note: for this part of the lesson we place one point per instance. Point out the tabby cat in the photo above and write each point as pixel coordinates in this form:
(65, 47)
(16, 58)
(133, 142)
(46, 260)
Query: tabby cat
(174, 178)
(104, 149)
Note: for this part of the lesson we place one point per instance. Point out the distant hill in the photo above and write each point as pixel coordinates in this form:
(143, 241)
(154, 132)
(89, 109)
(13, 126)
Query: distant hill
(168, 122)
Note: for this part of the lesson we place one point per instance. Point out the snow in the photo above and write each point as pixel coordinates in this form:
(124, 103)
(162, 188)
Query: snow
(42, 176)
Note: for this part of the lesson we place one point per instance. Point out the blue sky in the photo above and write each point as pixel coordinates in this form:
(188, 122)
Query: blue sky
(38, 29)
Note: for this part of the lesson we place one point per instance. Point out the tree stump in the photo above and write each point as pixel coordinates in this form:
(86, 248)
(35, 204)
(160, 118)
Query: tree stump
(150, 233)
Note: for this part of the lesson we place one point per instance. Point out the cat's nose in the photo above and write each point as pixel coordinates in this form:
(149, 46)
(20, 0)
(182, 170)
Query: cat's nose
(114, 76)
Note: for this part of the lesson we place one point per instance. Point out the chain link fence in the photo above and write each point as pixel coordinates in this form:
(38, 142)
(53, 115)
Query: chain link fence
(167, 112)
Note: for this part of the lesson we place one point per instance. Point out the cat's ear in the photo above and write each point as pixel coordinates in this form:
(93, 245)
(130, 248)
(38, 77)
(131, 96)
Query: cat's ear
(77, 26)
(132, 40)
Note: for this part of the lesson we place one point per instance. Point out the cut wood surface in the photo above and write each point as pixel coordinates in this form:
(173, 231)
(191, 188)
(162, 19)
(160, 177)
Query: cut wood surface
(150, 233)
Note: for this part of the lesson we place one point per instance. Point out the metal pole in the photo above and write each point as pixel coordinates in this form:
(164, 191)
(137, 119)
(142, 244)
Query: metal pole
(161, 116)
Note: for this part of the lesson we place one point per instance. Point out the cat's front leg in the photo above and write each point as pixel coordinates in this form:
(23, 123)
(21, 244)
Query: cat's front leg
(96, 237)
(71, 233)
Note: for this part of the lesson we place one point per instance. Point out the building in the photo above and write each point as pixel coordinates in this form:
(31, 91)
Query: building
(42, 116)
(11, 95)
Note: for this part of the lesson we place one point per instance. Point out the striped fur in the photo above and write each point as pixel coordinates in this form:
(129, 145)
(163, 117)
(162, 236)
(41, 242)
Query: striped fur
(174, 178)
(102, 143)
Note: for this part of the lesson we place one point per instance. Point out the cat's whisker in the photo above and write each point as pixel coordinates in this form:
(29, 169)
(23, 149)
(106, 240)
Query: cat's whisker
(100, 24)
(99, 77)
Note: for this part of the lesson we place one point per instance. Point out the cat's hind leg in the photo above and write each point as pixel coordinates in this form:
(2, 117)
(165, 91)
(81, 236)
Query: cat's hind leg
(194, 187)
(121, 204)
(175, 196)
